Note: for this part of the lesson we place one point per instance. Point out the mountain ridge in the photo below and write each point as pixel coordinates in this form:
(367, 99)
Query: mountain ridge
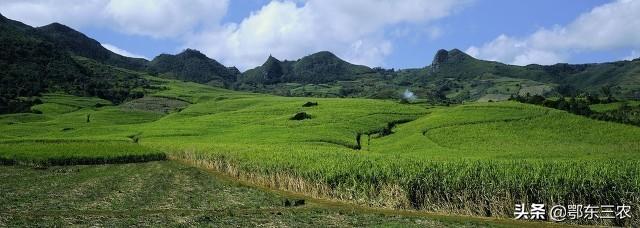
(82, 45)
(319, 67)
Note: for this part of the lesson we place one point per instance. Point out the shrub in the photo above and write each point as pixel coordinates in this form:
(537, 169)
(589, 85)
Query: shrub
(310, 104)
(301, 116)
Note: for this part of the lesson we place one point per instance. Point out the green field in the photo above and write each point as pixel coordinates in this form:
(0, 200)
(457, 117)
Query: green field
(119, 195)
(474, 159)
(173, 194)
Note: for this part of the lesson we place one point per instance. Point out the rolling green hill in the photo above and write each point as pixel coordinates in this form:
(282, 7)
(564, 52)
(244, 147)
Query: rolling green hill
(474, 159)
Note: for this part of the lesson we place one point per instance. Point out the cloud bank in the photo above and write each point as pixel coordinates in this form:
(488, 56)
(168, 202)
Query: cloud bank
(607, 27)
(154, 18)
(354, 30)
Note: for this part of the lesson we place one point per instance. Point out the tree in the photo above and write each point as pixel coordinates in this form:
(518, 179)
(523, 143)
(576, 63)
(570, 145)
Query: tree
(566, 90)
(592, 98)
(606, 92)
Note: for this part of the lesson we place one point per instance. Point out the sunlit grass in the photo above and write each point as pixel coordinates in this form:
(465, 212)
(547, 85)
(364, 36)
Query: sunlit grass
(477, 158)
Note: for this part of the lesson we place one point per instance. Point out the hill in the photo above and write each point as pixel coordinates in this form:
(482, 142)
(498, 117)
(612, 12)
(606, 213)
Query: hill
(79, 44)
(622, 76)
(452, 76)
(321, 67)
(31, 64)
(191, 65)
(322, 74)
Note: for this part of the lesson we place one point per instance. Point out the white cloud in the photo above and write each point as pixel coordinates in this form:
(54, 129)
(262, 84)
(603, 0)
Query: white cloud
(155, 18)
(121, 51)
(354, 30)
(164, 18)
(607, 27)
(75, 13)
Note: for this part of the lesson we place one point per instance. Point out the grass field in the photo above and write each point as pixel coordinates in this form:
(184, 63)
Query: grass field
(474, 159)
(172, 194)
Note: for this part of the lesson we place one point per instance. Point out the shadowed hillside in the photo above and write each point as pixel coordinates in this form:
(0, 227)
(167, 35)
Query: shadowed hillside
(31, 64)
(321, 67)
(191, 65)
(81, 45)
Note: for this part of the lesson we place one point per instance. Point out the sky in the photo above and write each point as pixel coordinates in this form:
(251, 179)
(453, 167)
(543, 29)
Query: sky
(396, 34)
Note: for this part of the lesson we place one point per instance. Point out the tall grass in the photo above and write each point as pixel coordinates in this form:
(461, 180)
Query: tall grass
(480, 187)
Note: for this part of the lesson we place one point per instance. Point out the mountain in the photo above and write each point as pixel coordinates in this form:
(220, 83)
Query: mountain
(191, 65)
(58, 58)
(321, 67)
(81, 45)
(28, 65)
(623, 76)
(452, 75)
(443, 60)
(31, 64)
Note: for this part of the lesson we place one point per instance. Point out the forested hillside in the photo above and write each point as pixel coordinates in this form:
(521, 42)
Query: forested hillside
(191, 65)
(31, 64)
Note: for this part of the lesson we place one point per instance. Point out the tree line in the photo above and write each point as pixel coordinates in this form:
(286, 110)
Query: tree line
(625, 113)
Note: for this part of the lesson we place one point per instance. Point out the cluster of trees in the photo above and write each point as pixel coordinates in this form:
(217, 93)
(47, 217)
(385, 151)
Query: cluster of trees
(567, 90)
(573, 105)
(624, 114)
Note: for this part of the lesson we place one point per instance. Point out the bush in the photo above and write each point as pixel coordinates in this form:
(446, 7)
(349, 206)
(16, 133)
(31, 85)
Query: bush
(310, 104)
(301, 116)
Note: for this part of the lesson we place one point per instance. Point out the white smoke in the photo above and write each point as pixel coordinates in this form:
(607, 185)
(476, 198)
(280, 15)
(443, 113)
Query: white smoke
(408, 95)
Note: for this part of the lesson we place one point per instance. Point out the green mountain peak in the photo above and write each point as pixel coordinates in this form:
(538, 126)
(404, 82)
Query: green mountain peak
(193, 65)
(81, 45)
(192, 53)
(451, 56)
(271, 60)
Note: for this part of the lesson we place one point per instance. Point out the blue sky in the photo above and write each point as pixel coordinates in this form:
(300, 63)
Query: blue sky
(388, 33)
